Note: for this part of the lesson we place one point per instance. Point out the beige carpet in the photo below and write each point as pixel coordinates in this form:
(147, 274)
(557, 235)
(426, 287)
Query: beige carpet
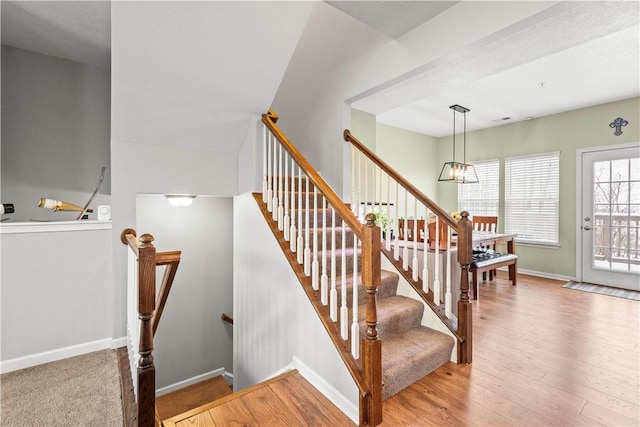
(81, 391)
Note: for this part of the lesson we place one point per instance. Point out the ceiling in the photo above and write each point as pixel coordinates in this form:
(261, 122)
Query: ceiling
(573, 55)
(76, 30)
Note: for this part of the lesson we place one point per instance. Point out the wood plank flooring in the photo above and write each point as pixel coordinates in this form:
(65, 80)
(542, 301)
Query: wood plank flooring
(543, 356)
(185, 399)
(286, 400)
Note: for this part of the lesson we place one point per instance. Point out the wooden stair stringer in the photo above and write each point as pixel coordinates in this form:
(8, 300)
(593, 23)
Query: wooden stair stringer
(343, 346)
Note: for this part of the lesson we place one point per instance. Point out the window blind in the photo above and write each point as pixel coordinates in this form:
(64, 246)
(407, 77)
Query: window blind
(481, 198)
(532, 197)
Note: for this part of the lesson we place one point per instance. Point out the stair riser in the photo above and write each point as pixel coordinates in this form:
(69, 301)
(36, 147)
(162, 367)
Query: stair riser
(292, 183)
(392, 323)
(338, 238)
(388, 287)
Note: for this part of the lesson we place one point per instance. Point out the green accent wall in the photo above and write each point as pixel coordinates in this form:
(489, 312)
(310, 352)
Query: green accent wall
(414, 155)
(565, 132)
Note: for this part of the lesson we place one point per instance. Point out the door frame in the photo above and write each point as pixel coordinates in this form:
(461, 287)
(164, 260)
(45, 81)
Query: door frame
(579, 195)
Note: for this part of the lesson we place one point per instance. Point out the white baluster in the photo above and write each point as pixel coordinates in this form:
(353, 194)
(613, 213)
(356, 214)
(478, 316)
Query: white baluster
(396, 247)
(274, 202)
(355, 327)
(367, 197)
(388, 229)
(344, 310)
(307, 250)
(415, 265)
(405, 249)
(333, 295)
(353, 181)
(379, 185)
(324, 279)
(270, 174)
(280, 194)
(425, 267)
(447, 295)
(286, 219)
(315, 265)
(300, 242)
(292, 231)
(265, 185)
(436, 280)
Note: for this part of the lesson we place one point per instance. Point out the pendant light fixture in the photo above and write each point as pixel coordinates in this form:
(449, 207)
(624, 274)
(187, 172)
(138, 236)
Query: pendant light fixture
(453, 171)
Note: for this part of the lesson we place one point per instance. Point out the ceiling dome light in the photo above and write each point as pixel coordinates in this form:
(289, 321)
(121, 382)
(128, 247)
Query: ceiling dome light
(180, 199)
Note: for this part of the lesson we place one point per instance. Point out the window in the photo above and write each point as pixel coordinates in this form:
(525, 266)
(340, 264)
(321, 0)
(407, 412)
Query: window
(481, 198)
(532, 197)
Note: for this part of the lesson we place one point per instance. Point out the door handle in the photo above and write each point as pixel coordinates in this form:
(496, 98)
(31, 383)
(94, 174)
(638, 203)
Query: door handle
(587, 219)
(586, 228)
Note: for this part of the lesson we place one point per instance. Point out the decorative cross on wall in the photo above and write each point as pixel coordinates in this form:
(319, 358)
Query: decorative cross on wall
(618, 124)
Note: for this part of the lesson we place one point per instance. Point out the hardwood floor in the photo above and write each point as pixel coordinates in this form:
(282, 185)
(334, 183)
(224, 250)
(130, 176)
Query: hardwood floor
(287, 400)
(193, 396)
(543, 355)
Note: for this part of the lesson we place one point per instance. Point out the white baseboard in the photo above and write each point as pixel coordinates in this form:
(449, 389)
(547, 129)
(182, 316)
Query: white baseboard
(337, 398)
(54, 355)
(540, 274)
(118, 342)
(193, 380)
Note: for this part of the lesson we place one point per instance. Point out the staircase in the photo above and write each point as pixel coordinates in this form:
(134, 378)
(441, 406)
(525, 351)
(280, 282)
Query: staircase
(409, 350)
(335, 251)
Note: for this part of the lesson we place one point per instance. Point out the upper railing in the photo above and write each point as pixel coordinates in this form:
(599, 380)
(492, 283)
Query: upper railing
(421, 235)
(142, 305)
(314, 221)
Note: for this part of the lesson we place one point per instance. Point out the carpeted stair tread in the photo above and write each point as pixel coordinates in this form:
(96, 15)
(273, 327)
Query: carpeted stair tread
(388, 286)
(396, 315)
(411, 356)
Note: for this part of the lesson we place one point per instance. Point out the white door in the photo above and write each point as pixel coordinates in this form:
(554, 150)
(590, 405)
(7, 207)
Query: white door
(610, 221)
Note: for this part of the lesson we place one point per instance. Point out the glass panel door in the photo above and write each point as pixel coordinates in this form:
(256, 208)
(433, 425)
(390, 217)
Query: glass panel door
(611, 218)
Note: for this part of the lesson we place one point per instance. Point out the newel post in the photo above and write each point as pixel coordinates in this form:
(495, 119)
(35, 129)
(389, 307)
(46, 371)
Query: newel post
(465, 256)
(372, 346)
(146, 307)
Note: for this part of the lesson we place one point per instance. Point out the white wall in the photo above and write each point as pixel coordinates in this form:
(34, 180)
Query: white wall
(56, 291)
(151, 169)
(250, 168)
(275, 325)
(55, 133)
(191, 339)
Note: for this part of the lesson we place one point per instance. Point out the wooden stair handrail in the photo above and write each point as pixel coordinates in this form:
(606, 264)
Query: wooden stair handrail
(227, 318)
(323, 313)
(444, 215)
(149, 312)
(334, 200)
(170, 258)
(369, 381)
(463, 227)
(172, 261)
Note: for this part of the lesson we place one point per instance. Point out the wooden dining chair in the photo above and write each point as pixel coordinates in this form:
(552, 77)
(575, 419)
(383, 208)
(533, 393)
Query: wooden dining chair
(443, 231)
(487, 224)
(410, 226)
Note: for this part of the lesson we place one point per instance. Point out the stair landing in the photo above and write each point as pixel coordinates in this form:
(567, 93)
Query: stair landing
(180, 401)
(285, 400)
